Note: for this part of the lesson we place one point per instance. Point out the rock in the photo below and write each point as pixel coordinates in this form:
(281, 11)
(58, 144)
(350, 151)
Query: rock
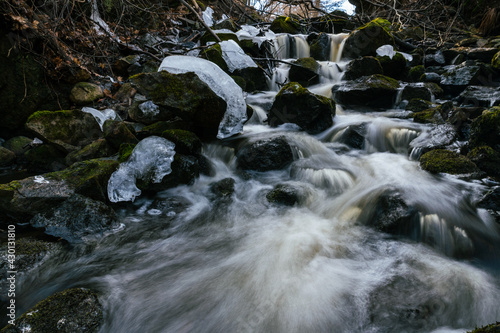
(394, 67)
(45, 158)
(97, 149)
(431, 77)
(7, 157)
(418, 105)
(125, 151)
(485, 130)
(436, 115)
(482, 54)
(254, 77)
(365, 40)
(437, 137)
(18, 145)
(486, 159)
(434, 88)
(186, 143)
(116, 132)
(159, 127)
(207, 38)
(77, 219)
(285, 24)
(446, 161)
(416, 91)
(495, 61)
(69, 311)
(436, 59)
(480, 96)
(393, 215)
(85, 93)
(416, 73)
(491, 202)
(353, 136)
(122, 65)
(264, 155)
(457, 78)
(223, 188)
(69, 130)
(228, 24)
(214, 54)
(297, 105)
(283, 194)
(305, 72)
(185, 170)
(492, 328)
(377, 91)
(180, 95)
(364, 66)
(320, 47)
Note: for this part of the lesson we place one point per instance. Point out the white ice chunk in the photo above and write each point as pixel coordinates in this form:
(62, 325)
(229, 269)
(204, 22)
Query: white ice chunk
(149, 108)
(235, 57)
(41, 180)
(247, 31)
(101, 116)
(150, 161)
(388, 50)
(221, 84)
(208, 16)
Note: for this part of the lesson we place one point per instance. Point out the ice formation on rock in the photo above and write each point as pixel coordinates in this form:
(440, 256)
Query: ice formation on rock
(388, 50)
(235, 57)
(221, 84)
(150, 161)
(102, 116)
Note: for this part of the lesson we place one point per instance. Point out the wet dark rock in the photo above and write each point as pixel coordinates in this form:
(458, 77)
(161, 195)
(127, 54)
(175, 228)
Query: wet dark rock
(285, 24)
(418, 105)
(483, 54)
(19, 144)
(412, 91)
(84, 93)
(377, 91)
(7, 157)
(117, 132)
(44, 158)
(214, 54)
(264, 155)
(365, 40)
(69, 311)
(180, 95)
(457, 78)
(436, 115)
(353, 136)
(486, 159)
(415, 73)
(436, 59)
(297, 105)
(121, 66)
(485, 130)
(320, 47)
(186, 142)
(283, 194)
(364, 66)
(431, 77)
(480, 96)
(223, 188)
(207, 37)
(159, 127)
(446, 161)
(393, 215)
(434, 88)
(491, 202)
(437, 137)
(394, 67)
(254, 77)
(69, 130)
(78, 218)
(305, 72)
(97, 149)
(185, 170)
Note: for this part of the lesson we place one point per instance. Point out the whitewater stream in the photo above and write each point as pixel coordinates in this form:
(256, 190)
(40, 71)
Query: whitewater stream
(186, 261)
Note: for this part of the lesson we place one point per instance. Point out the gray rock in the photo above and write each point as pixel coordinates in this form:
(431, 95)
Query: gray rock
(480, 96)
(264, 155)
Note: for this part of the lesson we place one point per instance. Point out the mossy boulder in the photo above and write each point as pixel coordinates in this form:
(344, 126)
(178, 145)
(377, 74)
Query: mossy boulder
(251, 48)
(7, 157)
(207, 38)
(68, 129)
(97, 149)
(85, 93)
(255, 79)
(492, 328)
(125, 151)
(214, 54)
(418, 91)
(429, 116)
(446, 161)
(180, 95)
(283, 194)
(365, 40)
(161, 126)
(364, 66)
(117, 132)
(320, 47)
(19, 144)
(486, 159)
(495, 62)
(304, 71)
(69, 311)
(264, 155)
(485, 130)
(224, 188)
(44, 158)
(418, 105)
(228, 24)
(393, 67)
(377, 91)
(415, 73)
(295, 104)
(285, 24)
(186, 142)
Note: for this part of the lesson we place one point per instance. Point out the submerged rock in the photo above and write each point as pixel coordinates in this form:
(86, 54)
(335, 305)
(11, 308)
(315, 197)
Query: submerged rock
(69, 311)
(393, 215)
(283, 194)
(365, 40)
(223, 188)
(446, 161)
(376, 91)
(297, 105)
(264, 155)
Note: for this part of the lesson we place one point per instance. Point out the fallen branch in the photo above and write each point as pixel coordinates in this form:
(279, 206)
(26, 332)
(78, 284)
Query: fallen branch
(201, 20)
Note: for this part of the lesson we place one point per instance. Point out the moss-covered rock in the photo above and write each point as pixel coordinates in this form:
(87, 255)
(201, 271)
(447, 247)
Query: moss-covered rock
(320, 47)
(69, 130)
(429, 116)
(181, 95)
(7, 157)
(446, 161)
(285, 24)
(485, 130)
(304, 71)
(122, 65)
(376, 91)
(19, 144)
(495, 62)
(214, 54)
(412, 91)
(116, 132)
(251, 48)
(161, 126)
(365, 40)
(44, 158)
(97, 149)
(207, 37)
(228, 24)
(364, 66)
(264, 155)
(434, 88)
(85, 93)
(255, 79)
(486, 159)
(283, 194)
(295, 104)
(69, 311)
(492, 328)
(393, 67)
(186, 142)
(415, 73)
(125, 151)
(223, 188)
(418, 105)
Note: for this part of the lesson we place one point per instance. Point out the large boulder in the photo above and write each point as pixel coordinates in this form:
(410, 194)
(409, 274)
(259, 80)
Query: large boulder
(365, 40)
(117, 132)
(320, 47)
(394, 66)
(486, 159)
(377, 91)
(264, 155)
(297, 105)
(97, 149)
(179, 95)
(285, 24)
(69, 311)
(68, 129)
(304, 71)
(446, 161)
(7, 157)
(485, 130)
(419, 91)
(85, 93)
(364, 66)
(458, 77)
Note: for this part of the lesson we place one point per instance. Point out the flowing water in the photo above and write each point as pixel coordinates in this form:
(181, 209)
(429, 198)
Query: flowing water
(187, 261)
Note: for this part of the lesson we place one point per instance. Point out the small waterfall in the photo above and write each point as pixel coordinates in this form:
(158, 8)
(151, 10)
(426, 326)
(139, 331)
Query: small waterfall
(287, 46)
(383, 135)
(337, 42)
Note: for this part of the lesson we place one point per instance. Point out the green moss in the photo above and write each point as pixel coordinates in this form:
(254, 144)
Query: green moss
(186, 142)
(309, 63)
(485, 129)
(222, 36)
(487, 159)
(240, 81)
(383, 23)
(430, 116)
(376, 81)
(492, 328)
(419, 105)
(31, 247)
(214, 54)
(284, 24)
(293, 88)
(446, 161)
(9, 187)
(416, 72)
(125, 151)
(495, 62)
